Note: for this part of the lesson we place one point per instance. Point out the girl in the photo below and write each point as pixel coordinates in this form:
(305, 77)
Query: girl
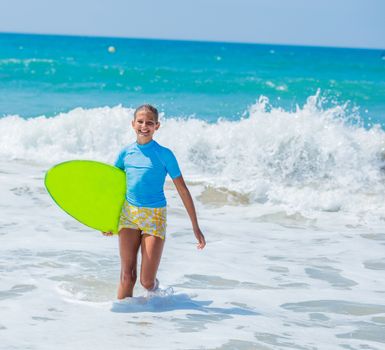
(143, 218)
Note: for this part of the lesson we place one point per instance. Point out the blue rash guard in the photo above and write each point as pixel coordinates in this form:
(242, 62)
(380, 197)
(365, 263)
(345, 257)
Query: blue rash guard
(146, 167)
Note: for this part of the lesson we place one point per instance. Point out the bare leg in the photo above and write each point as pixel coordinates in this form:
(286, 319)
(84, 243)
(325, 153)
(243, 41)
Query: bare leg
(129, 242)
(152, 248)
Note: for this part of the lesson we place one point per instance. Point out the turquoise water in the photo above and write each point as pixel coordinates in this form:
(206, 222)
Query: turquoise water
(291, 199)
(46, 75)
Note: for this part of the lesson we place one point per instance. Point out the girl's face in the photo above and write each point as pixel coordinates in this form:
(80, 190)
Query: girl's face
(144, 125)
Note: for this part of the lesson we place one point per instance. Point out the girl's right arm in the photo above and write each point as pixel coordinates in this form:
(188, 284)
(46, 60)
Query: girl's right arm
(119, 162)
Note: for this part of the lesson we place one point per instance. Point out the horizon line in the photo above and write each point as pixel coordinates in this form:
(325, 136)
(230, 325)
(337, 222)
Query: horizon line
(97, 36)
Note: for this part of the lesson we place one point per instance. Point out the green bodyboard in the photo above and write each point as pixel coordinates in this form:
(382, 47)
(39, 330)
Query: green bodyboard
(91, 192)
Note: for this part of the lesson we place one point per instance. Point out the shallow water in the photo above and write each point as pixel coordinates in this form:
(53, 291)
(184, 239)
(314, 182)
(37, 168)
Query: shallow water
(290, 193)
(261, 283)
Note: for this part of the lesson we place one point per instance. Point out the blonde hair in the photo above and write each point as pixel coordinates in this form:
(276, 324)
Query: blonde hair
(148, 109)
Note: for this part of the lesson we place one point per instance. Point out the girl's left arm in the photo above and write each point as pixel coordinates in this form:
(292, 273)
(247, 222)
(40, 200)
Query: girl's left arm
(187, 200)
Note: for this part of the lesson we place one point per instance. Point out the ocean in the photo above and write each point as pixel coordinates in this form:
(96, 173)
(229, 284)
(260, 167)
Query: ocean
(283, 149)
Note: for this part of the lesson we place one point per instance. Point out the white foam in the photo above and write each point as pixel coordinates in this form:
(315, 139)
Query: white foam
(80, 133)
(255, 285)
(310, 160)
(25, 62)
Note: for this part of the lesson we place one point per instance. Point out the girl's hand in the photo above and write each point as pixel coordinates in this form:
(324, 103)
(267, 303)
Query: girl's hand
(107, 233)
(200, 238)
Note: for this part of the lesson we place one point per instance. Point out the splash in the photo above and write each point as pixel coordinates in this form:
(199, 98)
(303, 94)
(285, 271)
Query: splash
(311, 158)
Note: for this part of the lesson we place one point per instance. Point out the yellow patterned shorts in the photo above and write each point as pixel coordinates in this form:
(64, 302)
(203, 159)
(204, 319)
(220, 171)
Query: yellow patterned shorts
(151, 221)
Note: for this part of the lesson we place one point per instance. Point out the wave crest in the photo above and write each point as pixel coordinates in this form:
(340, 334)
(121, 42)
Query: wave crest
(309, 159)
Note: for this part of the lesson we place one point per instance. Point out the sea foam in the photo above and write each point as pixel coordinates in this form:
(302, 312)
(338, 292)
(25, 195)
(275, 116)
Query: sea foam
(313, 158)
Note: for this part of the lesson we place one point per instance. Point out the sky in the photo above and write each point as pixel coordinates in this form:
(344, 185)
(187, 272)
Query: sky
(340, 23)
